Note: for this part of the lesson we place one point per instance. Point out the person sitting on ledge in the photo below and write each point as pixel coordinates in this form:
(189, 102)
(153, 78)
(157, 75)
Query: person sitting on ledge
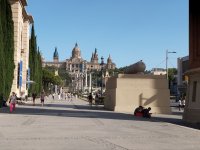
(146, 113)
(138, 111)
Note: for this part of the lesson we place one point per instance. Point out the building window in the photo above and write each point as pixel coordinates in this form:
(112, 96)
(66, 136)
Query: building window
(194, 91)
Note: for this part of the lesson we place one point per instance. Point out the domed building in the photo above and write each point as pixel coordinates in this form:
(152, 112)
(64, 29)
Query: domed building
(79, 67)
(110, 64)
(76, 64)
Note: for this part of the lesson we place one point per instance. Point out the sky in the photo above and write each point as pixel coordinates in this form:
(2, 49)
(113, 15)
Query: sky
(128, 30)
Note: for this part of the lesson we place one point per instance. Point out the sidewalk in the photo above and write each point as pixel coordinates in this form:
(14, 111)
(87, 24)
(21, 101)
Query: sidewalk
(64, 125)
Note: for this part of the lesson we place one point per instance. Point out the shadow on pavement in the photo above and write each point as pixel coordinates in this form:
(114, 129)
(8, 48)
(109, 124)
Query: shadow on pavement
(84, 111)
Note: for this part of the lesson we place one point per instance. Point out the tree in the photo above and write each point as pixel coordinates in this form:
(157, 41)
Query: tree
(171, 73)
(6, 48)
(49, 78)
(64, 75)
(35, 64)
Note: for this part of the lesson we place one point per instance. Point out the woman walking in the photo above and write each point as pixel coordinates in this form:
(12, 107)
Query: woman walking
(13, 99)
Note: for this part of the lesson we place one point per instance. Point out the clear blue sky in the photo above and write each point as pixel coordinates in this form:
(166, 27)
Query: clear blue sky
(129, 30)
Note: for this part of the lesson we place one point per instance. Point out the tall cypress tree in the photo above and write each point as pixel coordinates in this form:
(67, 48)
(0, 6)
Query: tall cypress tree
(2, 62)
(6, 48)
(39, 67)
(31, 59)
(35, 64)
(9, 49)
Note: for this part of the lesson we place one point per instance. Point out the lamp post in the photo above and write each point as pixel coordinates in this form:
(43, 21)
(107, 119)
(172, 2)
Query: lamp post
(91, 81)
(167, 52)
(102, 64)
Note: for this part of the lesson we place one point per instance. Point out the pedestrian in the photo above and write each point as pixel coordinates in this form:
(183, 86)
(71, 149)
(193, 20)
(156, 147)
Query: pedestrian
(146, 112)
(53, 95)
(138, 111)
(34, 96)
(71, 97)
(65, 95)
(42, 98)
(90, 99)
(58, 96)
(68, 95)
(13, 99)
(2, 98)
(179, 104)
(183, 103)
(96, 98)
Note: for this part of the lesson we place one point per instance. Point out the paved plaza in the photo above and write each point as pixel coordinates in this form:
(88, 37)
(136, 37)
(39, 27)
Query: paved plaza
(63, 125)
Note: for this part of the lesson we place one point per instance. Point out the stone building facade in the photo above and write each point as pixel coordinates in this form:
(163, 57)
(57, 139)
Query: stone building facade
(22, 22)
(79, 68)
(192, 108)
(76, 64)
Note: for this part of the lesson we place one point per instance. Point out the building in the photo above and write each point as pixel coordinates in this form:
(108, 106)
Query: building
(80, 68)
(182, 78)
(125, 92)
(22, 21)
(158, 71)
(192, 108)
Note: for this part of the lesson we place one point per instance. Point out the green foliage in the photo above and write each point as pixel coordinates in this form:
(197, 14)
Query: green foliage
(6, 48)
(35, 64)
(63, 74)
(49, 78)
(171, 73)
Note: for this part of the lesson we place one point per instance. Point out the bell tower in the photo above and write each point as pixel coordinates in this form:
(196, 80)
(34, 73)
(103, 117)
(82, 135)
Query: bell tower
(55, 56)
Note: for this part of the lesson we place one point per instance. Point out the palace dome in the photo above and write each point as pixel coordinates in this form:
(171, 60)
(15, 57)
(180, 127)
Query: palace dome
(76, 53)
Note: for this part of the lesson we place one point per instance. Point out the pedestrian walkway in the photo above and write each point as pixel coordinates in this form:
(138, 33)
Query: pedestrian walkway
(64, 125)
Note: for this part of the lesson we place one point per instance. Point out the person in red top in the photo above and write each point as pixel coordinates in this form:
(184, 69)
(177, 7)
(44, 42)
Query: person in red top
(13, 100)
(138, 111)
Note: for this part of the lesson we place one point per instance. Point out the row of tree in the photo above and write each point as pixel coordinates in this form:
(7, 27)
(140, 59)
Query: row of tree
(35, 64)
(6, 49)
(7, 66)
(43, 78)
(49, 79)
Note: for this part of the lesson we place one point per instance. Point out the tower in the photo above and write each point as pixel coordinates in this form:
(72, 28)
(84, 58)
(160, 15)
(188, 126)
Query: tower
(76, 53)
(55, 56)
(94, 58)
(109, 62)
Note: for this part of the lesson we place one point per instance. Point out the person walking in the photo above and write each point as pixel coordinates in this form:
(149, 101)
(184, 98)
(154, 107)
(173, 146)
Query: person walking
(96, 99)
(34, 96)
(179, 104)
(90, 99)
(42, 98)
(13, 99)
(183, 103)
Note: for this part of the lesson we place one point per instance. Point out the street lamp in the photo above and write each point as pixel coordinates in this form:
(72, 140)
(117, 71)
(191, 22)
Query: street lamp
(167, 52)
(102, 64)
(91, 81)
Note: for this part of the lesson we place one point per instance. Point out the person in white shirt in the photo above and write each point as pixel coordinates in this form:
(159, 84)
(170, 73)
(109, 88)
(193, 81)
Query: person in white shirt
(179, 104)
(183, 103)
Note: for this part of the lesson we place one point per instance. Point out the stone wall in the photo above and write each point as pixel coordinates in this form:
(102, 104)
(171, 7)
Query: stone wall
(127, 91)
